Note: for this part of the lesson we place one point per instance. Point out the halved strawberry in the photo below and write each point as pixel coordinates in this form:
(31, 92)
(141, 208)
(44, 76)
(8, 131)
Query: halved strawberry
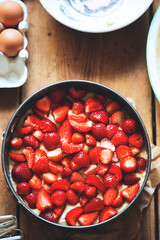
(23, 188)
(83, 199)
(16, 157)
(39, 113)
(39, 153)
(111, 129)
(43, 104)
(106, 143)
(129, 179)
(110, 180)
(102, 169)
(118, 118)
(90, 140)
(43, 200)
(90, 191)
(30, 140)
(110, 195)
(32, 120)
(25, 130)
(93, 104)
(141, 164)
(16, 143)
(30, 156)
(66, 172)
(59, 198)
(116, 170)
(47, 188)
(57, 95)
(114, 158)
(107, 213)
(47, 125)
(35, 182)
(58, 211)
(72, 215)
(99, 131)
(31, 199)
(105, 155)
(71, 148)
(94, 155)
(38, 134)
(80, 118)
(65, 132)
(55, 168)
(123, 151)
(61, 184)
(41, 166)
(77, 177)
(88, 218)
(76, 93)
(129, 125)
(55, 155)
(49, 215)
(128, 164)
(118, 202)
(91, 170)
(65, 162)
(77, 138)
(72, 197)
(99, 116)
(112, 107)
(119, 138)
(95, 204)
(136, 140)
(96, 182)
(49, 178)
(51, 140)
(78, 107)
(81, 127)
(78, 187)
(60, 113)
(80, 160)
(21, 173)
(130, 192)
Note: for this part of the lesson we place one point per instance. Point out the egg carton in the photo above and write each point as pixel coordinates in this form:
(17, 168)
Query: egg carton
(13, 70)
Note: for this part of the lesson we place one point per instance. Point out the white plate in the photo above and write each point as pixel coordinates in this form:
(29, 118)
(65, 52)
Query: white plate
(96, 15)
(153, 54)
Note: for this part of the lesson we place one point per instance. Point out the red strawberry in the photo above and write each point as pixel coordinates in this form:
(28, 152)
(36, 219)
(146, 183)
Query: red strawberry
(96, 182)
(112, 107)
(110, 195)
(38, 134)
(49, 215)
(78, 187)
(105, 155)
(41, 166)
(44, 104)
(99, 131)
(91, 170)
(51, 140)
(94, 155)
(16, 157)
(35, 182)
(118, 202)
(129, 179)
(71, 148)
(39, 153)
(107, 213)
(115, 170)
(83, 199)
(101, 169)
(43, 200)
(23, 188)
(114, 158)
(59, 198)
(25, 130)
(58, 211)
(58, 95)
(32, 120)
(110, 180)
(134, 151)
(31, 199)
(123, 151)
(78, 107)
(72, 215)
(81, 127)
(55, 168)
(99, 116)
(128, 164)
(77, 138)
(129, 126)
(136, 140)
(79, 118)
(21, 173)
(65, 132)
(55, 155)
(106, 143)
(95, 204)
(47, 125)
(88, 218)
(111, 129)
(49, 178)
(39, 113)
(61, 184)
(30, 156)
(119, 138)
(118, 118)
(90, 140)
(72, 198)
(91, 192)
(77, 177)
(101, 98)
(16, 143)
(66, 161)
(76, 94)
(66, 172)
(141, 164)
(130, 192)
(60, 113)
(47, 188)
(30, 140)
(93, 104)
(80, 160)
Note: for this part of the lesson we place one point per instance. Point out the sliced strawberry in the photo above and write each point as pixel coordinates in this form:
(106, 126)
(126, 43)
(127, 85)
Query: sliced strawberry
(81, 127)
(65, 132)
(30, 140)
(51, 140)
(114, 158)
(110, 195)
(129, 126)
(71, 148)
(80, 160)
(59, 198)
(38, 134)
(31, 199)
(39, 153)
(112, 107)
(136, 140)
(25, 130)
(111, 129)
(119, 138)
(99, 131)
(93, 104)
(66, 172)
(129, 179)
(90, 140)
(21, 173)
(76, 93)
(79, 118)
(77, 138)
(43, 200)
(16, 143)
(49, 178)
(32, 120)
(91, 192)
(141, 164)
(58, 211)
(61, 184)
(95, 204)
(102, 169)
(60, 113)
(105, 155)
(39, 113)
(77, 177)
(23, 188)
(30, 156)
(88, 218)
(106, 143)
(130, 192)
(35, 182)
(134, 151)
(47, 188)
(72, 215)
(55, 155)
(99, 116)
(123, 151)
(72, 197)
(94, 155)
(41, 166)
(49, 215)
(83, 199)
(107, 213)
(16, 157)
(66, 161)
(118, 118)
(47, 125)
(44, 104)
(78, 107)
(96, 182)
(55, 168)
(58, 95)
(110, 180)
(118, 202)
(128, 164)
(78, 187)
(115, 170)
(91, 170)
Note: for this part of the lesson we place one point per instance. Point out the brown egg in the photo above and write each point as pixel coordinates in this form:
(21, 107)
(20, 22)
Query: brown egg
(11, 13)
(11, 42)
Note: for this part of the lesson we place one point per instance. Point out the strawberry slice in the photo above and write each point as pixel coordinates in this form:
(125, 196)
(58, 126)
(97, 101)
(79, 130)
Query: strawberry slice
(80, 160)
(66, 172)
(134, 151)
(90, 140)
(88, 218)
(55, 168)
(49, 178)
(107, 213)
(30, 140)
(81, 127)
(59, 198)
(78, 107)
(16, 143)
(99, 116)
(118, 118)
(77, 138)
(128, 164)
(99, 131)
(61, 184)
(83, 199)
(78, 187)
(30, 156)
(47, 188)
(39, 153)
(38, 134)
(91, 192)
(110, 195)
(41, 166)
(25, 130)
(106, 143)
(47, 125)
(76, 94)
(136, 140)
(95, 204)
(49, 215)
(77, 177)
(105, 155)
(92, 169)
(101, 169)
(93, 104)
(58, 95)
(130, 192)
(35, 182)
(96, 182)
(116, 170)
(112, 107)
(123, 151)
(16, 157)
(94, 155)
(31, 199)
(111, 129)
(110, 180)
(51, 140)
(71, 148)
(43, 200)
(39, 113)
(32, 120)
(65, 132)
(55, 155)
(129, 179)
(119, 138)
(118, 202)
(72, 215)
(82, 117)
(43, 104)
(72, 197)
(60, 113)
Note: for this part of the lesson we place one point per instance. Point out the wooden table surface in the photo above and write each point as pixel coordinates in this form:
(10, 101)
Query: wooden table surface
(116, 59)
